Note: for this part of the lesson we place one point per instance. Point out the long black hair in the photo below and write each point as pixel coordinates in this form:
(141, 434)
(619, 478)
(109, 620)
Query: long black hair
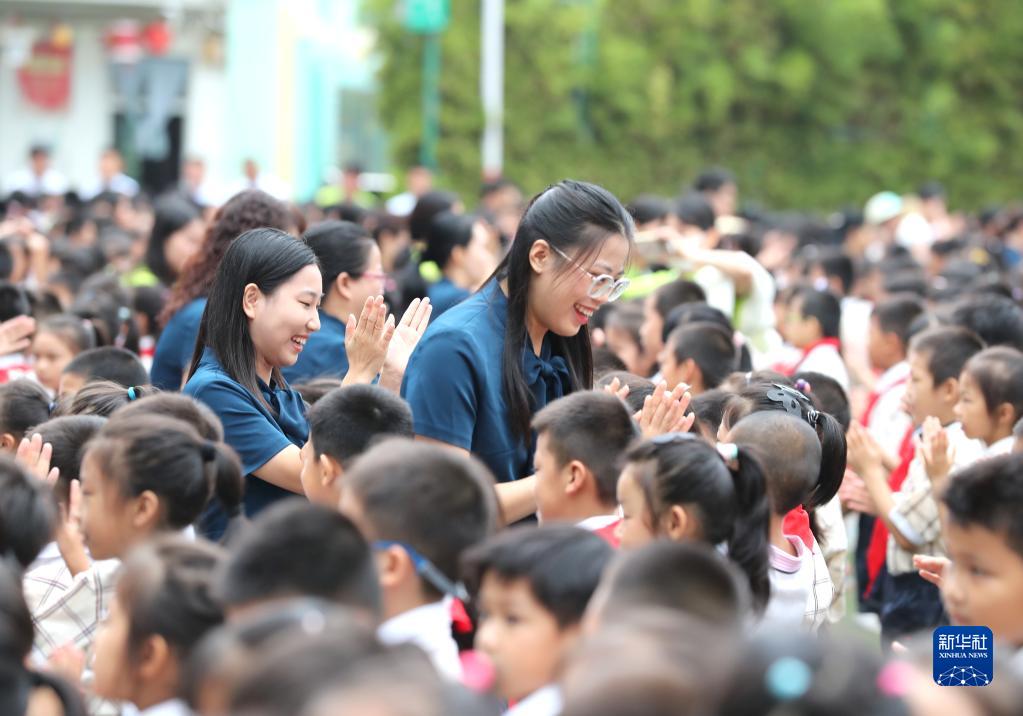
(170, 215)
(566, 215)
(266, 258)
(729, 498)
(340, 247)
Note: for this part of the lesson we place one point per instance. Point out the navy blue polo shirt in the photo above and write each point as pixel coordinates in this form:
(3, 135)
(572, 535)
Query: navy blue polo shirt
(454, 383)
(255, 433)
(323, 355)
(444, 295)
(173, 356)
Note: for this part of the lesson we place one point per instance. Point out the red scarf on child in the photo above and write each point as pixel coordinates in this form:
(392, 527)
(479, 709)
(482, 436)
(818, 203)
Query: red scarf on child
(878, 547)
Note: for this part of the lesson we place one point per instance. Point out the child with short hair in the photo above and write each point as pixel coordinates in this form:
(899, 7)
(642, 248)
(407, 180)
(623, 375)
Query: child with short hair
(28, 514)
(984, 535)
(57, 341)
(580, 447)
(532, 586)
(421, 507)
(679, 487)
(688, 578)
(106, 363)
(22, 404)
(991, 397)
(342, 425)
(623, 331)
(700, 354)
(812, 325)
(297, 549)
(905, 501)
(161, 609)
(789, 452)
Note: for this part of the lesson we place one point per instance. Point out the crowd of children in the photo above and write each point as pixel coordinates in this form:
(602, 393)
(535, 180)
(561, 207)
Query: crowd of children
(567, 456)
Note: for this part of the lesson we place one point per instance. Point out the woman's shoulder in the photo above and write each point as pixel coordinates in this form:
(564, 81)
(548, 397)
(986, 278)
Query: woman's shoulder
(209, 379)
(477, 317)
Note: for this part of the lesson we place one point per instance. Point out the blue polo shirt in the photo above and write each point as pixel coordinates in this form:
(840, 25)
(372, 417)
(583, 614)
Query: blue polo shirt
(173, 355)
(324, 353)
(444, 295)
(255, 433)
(453, 383)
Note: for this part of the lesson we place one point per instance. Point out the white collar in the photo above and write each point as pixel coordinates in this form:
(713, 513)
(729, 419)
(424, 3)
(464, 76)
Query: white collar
(545, 701)
(892, 377)
(597, 522)
(172, 707)
(1001, 447)
(429, 628)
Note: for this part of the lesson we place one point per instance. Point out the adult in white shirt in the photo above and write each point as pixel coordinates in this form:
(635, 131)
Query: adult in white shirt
(112, 178)
(38, 179)
(256, 178)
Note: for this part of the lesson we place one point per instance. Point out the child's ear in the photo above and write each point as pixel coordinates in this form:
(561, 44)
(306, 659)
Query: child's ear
(146, 511)
(330, 470)
(577, 474)
(394, 566)
(1005, 414)
(948, 391)
(153, 659)
(689, 370)
(677, 523)
(8, 442)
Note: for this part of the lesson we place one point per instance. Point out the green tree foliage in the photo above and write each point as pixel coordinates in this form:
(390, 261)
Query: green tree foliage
(812, 104)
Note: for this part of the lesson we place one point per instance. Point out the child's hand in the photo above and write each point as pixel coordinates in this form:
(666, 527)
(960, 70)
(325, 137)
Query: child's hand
(854, 495)
(864, 455)
(406, 336)
(16, 334)
(68, 662)
(366, 341)
(35, 455)
(616, 389)
(931, 568)
(665, 412)
(938, 455)
(70, 541)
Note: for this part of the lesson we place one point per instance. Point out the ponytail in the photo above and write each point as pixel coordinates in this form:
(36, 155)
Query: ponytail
(228, 482)
(748, 544)
(833, 459)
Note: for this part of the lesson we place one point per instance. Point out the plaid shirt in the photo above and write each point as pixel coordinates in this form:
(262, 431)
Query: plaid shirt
(915, 507)
(65, 608)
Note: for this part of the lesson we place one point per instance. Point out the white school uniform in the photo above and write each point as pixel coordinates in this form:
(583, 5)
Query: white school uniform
(429, 628)
(1002, 447)
(545, 701)
(887, 422)
(824, 358)
(801, 589)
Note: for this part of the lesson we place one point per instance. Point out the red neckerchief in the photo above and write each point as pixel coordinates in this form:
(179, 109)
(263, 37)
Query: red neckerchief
(797, 524)
(874, 397)
(610, 533)
(878, 547)
(794, 368)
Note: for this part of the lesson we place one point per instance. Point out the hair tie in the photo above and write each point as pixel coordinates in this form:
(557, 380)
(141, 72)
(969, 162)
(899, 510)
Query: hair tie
(803, 387)
(51, 407)
(132, 394)
(729, 453)
(813, 417)
(208, 451)
(788, 678)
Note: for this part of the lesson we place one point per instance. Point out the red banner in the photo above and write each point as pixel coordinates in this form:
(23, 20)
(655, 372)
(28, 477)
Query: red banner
(45, 78)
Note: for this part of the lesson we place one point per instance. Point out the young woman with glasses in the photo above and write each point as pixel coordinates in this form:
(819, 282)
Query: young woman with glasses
(487, 365)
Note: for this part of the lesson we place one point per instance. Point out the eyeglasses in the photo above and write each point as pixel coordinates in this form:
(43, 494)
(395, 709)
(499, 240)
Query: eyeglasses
(603, 286)
(389, 283)
(428, 570)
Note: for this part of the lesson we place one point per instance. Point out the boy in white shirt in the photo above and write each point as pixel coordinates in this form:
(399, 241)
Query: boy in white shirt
(421, 506)
(812, 325)
(789, 452)
(533, 585)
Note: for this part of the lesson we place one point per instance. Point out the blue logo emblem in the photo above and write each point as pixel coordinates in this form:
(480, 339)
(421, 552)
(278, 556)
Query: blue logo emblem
(963, 656)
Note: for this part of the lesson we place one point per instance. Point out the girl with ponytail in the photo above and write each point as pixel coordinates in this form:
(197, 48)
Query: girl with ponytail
(679, 487)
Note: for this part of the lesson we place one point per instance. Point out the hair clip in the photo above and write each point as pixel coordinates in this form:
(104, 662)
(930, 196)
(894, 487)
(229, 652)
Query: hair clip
(789, 398)
(813, 417)
(729, 452)
(788, 678)
(803, 387)
(132, 394)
